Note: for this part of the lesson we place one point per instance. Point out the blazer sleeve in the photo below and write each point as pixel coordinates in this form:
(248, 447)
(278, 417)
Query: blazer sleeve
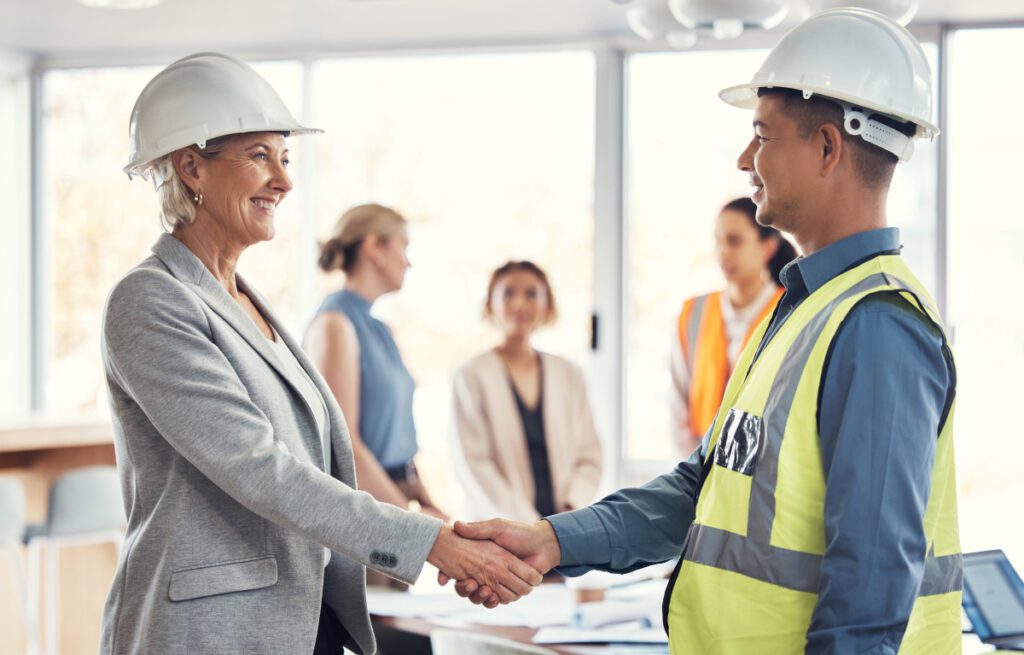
(488, 492)
(158, 347)
(586, 474)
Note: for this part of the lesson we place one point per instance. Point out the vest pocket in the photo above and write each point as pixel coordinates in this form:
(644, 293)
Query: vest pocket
(740, 441)
(224, 578)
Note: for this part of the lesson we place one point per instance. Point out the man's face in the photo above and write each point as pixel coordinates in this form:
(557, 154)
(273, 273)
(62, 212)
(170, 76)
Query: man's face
(782, 166)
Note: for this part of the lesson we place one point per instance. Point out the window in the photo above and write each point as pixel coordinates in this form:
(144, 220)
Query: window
(683, 142)
(986, 318)
(912, 195)
(490, 157)
(682, 146)
(15, 246)
(98, 225)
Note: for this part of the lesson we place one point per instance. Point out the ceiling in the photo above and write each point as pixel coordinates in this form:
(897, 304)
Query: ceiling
(65, 30)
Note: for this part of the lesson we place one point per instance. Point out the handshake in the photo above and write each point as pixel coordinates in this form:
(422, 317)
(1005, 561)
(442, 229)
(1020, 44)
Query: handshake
(494, 562)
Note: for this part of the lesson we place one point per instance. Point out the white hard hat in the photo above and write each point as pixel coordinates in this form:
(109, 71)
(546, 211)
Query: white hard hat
(202, 97)
(860, 58)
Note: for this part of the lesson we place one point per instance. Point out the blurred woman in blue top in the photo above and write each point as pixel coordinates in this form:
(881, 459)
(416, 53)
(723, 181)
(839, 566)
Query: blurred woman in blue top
(358, 357)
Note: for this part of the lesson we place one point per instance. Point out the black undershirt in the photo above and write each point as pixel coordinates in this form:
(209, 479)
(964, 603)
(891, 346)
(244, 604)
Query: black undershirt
(533, 426)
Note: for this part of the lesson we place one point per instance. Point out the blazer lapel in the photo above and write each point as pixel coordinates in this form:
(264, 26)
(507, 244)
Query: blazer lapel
(185, 266)
(335, 417)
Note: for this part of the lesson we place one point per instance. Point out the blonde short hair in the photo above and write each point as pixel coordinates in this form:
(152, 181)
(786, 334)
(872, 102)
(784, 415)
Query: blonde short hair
(342, 250)
(177, 201)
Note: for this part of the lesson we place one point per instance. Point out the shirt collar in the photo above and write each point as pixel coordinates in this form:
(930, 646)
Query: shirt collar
(815, 270)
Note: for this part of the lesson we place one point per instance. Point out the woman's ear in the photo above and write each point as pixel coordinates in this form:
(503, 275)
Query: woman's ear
(372, 245)
(187, 163)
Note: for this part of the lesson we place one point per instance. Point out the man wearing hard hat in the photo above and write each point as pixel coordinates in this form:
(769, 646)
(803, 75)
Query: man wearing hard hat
(819, 513)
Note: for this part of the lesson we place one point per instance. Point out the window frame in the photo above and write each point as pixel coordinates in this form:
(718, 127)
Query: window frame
(611, 230)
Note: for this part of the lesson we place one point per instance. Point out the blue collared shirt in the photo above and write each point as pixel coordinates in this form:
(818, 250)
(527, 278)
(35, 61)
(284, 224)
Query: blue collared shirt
(885, 391)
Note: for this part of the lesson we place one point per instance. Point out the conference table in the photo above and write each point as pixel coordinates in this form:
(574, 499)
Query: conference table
(411, 636)
(629, 618)
(404, 621)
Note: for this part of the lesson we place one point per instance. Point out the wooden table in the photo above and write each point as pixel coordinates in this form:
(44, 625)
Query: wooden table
(36, 451)
(408, 636)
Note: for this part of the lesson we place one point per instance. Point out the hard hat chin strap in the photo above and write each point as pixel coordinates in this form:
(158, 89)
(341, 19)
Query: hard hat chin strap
(857, 123)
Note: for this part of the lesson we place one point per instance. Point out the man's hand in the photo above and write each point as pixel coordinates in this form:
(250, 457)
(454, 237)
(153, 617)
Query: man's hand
(490, 566)
(536, 544)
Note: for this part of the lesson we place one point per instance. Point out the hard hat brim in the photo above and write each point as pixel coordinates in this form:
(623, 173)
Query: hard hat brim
(140, 167)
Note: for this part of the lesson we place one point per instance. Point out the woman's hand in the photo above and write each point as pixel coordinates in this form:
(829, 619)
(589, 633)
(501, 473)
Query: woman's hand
(488, 564)
(430, 510)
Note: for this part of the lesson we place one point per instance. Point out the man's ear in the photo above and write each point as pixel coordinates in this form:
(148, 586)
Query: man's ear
(187, 163)
(831, 142)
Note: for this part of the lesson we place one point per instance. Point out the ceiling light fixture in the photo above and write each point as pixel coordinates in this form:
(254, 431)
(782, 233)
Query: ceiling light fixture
(119, 4)
(727, 19)
(652, 21)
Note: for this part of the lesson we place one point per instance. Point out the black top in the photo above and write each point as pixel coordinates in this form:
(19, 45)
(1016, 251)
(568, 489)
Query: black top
(533, 426)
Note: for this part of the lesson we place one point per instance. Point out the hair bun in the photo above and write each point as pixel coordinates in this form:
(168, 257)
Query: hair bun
(332, 255)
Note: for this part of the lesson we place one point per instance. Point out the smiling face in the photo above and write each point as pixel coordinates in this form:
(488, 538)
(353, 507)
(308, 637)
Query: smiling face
(243, 186)
(519, 303)
(782, 166)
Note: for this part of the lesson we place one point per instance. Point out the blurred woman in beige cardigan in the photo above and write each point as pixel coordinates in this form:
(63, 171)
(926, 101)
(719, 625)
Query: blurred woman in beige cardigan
(525, 442)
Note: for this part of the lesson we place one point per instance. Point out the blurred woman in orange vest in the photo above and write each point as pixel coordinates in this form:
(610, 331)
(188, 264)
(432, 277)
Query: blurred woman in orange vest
(712, 329)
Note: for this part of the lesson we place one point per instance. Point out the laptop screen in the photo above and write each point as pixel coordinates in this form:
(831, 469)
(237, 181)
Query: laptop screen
(993, 595)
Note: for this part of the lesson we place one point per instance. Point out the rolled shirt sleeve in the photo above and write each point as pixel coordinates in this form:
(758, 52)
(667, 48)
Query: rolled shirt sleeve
(631, 528)
(884, 393)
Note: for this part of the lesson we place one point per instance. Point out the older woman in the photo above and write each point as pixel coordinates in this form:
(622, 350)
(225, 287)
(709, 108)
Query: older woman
(245, 530)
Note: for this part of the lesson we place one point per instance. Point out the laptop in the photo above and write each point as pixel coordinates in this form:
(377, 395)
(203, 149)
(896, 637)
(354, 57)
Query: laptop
(993, 599)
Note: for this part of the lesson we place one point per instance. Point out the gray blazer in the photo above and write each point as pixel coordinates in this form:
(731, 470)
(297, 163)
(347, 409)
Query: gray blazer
(221, 470)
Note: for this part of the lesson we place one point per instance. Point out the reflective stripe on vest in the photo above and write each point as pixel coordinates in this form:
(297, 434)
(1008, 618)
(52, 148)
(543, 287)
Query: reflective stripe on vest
(753, 555)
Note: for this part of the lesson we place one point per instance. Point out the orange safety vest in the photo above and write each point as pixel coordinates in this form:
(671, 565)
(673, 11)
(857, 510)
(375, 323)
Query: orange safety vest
(706, 354)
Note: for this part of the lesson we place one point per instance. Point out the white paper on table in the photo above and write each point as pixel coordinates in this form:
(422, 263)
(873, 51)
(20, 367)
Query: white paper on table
(610, 612)
(569, 635)
(622, 649)
(405, 605)
(606, 580)
(545, 606)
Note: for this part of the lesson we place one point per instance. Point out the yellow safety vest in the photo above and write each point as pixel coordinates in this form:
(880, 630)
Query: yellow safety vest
(748, 582)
